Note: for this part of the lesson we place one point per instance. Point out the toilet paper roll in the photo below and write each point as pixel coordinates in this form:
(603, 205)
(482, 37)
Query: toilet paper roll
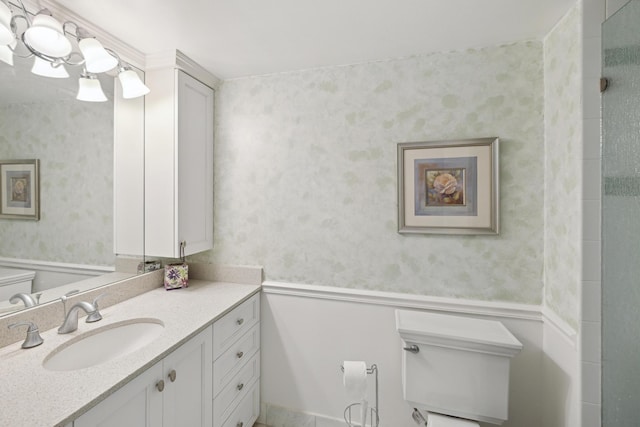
(438, 420)
(355, 380)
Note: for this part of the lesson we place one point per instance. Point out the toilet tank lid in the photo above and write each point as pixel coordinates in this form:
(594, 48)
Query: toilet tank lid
(9, 276)
(456, 331)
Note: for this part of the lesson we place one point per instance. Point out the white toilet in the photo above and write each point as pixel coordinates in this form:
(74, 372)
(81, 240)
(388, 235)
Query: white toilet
(456, 368)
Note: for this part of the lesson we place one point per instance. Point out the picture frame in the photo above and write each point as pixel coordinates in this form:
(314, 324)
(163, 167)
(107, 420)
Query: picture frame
(20, 189)
(449, 187)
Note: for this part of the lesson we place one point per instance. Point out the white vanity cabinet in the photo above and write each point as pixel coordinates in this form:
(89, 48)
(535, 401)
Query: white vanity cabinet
(176, 391)
(236, 366)
(211, 380)
(178, 163)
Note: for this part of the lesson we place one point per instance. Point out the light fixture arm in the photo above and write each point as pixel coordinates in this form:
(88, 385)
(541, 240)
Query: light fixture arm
(81, 33)
(76, 33)
(14, 27)
(25, 14)
(56, 62)
(121, 63)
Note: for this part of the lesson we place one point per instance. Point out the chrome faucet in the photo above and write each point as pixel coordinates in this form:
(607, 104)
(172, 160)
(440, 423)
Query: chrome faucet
(25, 298)
(70, 323)
(33, 338)
(65, 297)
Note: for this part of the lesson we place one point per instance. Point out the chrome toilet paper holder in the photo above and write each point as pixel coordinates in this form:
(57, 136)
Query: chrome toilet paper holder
(374, 416)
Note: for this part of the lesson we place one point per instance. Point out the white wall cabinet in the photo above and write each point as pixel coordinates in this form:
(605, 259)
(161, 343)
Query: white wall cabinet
(176, 391)
(178, 164)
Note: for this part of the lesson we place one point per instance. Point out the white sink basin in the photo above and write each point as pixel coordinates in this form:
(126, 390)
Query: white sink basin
(103, 344)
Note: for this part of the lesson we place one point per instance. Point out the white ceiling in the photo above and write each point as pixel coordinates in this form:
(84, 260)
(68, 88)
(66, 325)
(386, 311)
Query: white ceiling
(234, 38)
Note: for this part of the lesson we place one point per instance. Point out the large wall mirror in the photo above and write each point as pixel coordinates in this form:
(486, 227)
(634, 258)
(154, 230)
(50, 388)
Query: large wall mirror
(71, 246)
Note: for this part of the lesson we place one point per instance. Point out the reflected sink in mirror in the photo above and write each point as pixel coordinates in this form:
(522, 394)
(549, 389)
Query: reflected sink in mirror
(103, 344)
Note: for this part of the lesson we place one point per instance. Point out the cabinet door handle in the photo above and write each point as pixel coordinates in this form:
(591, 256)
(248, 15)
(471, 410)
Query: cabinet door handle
(160, 385)
(240, 354)
(412, 349)
(172, 375)
(240, 321)
(240, 386)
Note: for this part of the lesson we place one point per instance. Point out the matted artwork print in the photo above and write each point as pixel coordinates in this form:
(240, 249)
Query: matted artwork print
(19, 189)
(448, 187)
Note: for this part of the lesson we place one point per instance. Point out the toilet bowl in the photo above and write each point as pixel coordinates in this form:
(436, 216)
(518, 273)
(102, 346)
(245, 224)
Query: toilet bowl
(456, 366)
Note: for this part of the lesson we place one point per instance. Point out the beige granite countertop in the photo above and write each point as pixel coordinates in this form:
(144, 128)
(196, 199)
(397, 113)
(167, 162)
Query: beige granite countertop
(34, 396)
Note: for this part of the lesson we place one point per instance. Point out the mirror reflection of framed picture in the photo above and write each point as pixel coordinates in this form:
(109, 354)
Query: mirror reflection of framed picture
(20, 189)
(448, 187)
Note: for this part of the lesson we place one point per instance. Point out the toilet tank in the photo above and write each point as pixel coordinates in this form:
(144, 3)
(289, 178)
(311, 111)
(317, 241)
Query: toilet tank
(461, 367)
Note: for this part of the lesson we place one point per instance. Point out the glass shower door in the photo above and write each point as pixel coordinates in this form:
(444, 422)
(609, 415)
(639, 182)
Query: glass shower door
(621, 218)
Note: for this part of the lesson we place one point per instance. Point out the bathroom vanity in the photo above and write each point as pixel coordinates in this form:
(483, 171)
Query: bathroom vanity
(201, 369)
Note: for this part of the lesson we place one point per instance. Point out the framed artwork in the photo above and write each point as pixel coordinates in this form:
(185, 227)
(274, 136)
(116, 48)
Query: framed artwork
(20, 189)
(448, 187)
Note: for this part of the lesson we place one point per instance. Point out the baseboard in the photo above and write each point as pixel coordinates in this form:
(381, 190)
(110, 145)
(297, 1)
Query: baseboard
(274, 415)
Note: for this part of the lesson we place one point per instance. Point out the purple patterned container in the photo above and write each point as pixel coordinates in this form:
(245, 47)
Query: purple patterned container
(176, 276)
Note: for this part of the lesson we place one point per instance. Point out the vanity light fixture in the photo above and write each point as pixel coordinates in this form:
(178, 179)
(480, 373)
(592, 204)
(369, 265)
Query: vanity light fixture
(49, 69)
(97, 59)
(45, 36)
(55, 45)
(89, 88)
(132, 86)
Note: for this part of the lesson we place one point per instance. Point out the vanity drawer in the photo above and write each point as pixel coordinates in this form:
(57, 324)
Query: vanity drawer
(231, 361)
(238, 387)
(234, 324)
(246, 413)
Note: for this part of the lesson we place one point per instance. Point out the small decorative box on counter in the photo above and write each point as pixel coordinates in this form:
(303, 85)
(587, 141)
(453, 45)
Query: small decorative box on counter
(176, 276)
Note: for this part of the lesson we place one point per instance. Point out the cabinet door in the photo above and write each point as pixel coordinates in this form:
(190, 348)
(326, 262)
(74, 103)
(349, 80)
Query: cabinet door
(195, 164)
(188, 395)
(138, 403)
(178, 164)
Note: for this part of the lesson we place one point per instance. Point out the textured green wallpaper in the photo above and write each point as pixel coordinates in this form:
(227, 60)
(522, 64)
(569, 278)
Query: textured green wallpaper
(74, 142)
(563, 166)
(306, 173)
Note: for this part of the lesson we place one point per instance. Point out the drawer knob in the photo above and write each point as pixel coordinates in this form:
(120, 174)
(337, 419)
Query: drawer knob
(240, 386)
(240, 424)
(240, 321)
(160, 385)
(172, 375)
(240, 354)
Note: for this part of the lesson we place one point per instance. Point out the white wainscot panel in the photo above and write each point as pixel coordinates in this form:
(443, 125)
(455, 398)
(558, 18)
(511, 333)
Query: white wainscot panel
(307, 332)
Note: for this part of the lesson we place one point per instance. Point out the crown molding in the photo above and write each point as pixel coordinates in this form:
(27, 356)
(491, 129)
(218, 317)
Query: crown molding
(174, 58)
